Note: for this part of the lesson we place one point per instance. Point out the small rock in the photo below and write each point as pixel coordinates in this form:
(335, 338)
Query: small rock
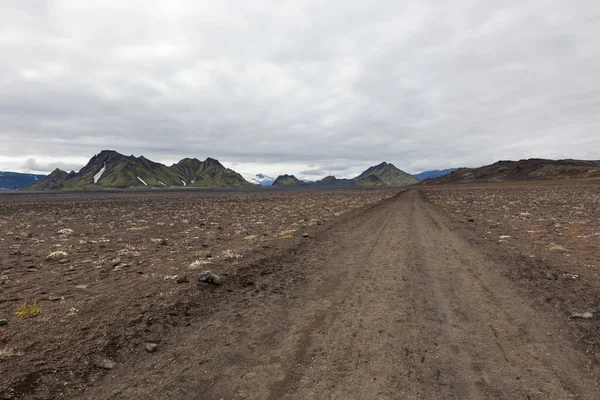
(182, 279)
(585, 315)
(209, 277)
(3, 322)
(151, 347)
(63, 261)
(559, 230)
(82, 286)
(54, 298)
(266, 246)
(305, 235)
(105, 363)
(470, 220)
(552, 276)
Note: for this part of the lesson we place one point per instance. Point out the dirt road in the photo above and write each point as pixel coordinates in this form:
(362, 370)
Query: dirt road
(388, 304)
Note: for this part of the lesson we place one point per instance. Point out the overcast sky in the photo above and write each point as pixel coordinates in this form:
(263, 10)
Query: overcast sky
(305, 87)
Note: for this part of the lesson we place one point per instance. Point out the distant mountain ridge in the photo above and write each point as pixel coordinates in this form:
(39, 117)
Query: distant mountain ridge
(16, 180)
(110, 169)
(381, 175)
(522, 170)
(436, 173)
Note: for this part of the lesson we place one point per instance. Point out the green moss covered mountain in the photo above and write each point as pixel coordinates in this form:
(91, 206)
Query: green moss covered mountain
(382, 175)
(385, 174)
(112, 170)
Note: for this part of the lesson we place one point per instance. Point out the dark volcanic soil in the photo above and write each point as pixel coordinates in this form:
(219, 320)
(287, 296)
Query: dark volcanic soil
(116, 288)
(424, 295)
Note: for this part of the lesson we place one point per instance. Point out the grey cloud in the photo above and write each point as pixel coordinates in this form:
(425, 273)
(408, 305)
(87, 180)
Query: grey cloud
(32, 165)
(335, 86)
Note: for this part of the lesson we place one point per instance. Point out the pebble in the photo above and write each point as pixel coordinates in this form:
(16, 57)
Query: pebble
(3, 322)
(305, 235)
(182, 279)
(584, 315)
(151, 347)
(266, 246)
(209, 277)
(551, 276)
(81, 286)
(105, 363)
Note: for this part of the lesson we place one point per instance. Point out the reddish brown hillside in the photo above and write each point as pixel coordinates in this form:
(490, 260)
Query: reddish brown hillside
(532, 169)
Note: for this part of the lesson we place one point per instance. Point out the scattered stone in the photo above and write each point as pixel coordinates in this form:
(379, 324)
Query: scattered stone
(552, 276)
(559, 230)
(470, 220)
(105, 363)
(82, 286)
(266, 246)
(209, 277)
(151, 347)
(182, 279)
(3, 322)
(54, 298)
(584, 315)
(305, 235)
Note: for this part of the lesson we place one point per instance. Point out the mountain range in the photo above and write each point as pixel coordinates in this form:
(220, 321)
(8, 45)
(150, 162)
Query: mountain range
(382, 175)
(110, 169)
(16, 180)
(522, 170)
(436, 173)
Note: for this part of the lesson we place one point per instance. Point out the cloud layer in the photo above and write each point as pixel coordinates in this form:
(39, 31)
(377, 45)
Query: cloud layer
(326, 87)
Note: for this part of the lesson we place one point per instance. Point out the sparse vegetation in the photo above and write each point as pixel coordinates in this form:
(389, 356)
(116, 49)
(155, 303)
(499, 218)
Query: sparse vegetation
(29, 311)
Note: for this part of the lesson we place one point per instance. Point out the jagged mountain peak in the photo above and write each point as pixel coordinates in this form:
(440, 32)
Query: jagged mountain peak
(110, 169)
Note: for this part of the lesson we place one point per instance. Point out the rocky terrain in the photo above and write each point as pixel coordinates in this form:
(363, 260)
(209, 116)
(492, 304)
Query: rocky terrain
(100, 277)
(547, 238)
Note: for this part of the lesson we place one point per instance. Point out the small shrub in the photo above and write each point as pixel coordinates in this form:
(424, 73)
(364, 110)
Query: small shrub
(26, 311)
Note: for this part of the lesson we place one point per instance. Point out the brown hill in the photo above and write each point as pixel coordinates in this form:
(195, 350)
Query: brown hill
(523, 170)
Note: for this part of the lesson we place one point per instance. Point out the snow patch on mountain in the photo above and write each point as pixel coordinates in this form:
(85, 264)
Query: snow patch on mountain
(259, 179)
(99, 174)
(141, 180)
